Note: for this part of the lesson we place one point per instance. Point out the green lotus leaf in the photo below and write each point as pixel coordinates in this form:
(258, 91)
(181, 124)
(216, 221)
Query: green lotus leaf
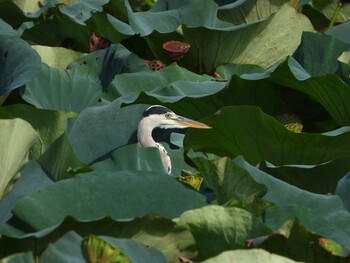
(135, 251)
(217, 228)
(11, 14)
(19, 258)
(52, 150)
(113, 126)
(144, 23)
(67, 33)
(251, 255)
(338, 32)
(17, 137)
(49, 89)
(322, 214)
(326, 175)
(243, 44)
(247, 131)
(32, 179)
(169, 85)
(109, 27)
(65, 249)
(314, 54)
(96, 249)
(100, 194)
(218, 176)
(335, 228)
(64, 240)
(57, 57)
(242, 12)
(19, 62)
(342, 190)
(327, 8)
(107, 63)
(80, 11)
(330, 90)
(131, 157)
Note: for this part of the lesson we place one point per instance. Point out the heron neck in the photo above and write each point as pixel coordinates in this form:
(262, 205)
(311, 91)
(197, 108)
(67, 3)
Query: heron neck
(144, 134)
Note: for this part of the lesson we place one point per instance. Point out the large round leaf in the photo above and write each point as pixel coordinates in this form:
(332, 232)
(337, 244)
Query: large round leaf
(247, 131)
(50, 89)
(262, 42)
(122, 195)
(168, 85)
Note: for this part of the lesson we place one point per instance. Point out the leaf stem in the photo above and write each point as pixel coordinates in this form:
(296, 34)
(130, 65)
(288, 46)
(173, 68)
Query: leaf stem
(335, 14)
(294, 3)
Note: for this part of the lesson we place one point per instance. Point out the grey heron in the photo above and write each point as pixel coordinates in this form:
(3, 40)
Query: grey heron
(158, 116)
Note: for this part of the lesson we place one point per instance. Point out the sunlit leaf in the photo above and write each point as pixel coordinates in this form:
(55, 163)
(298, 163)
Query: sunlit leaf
(17, 137)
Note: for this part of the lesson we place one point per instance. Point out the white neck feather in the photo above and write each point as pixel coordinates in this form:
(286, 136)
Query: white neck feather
(144, 136)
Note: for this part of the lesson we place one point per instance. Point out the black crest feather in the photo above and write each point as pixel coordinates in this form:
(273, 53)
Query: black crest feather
(155, 109)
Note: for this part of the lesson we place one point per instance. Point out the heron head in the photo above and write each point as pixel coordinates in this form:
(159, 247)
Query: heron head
(162, 117)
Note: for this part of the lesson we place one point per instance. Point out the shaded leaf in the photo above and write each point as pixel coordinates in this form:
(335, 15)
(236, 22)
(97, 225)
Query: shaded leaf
(66, 249)
(332, 225)
(67, 33)
(19, 63)
(217, 229)
(19, 258)
(326, 175)
(119, 60)
(132, 157)
(342, 190)
(229, 181)
(295, 241)
(59, 159)
(163, 234)
(259, 137)
(135, 158)
(329, 90)
(32, 179)
(328, 9)
(113, 126)
(318, 54)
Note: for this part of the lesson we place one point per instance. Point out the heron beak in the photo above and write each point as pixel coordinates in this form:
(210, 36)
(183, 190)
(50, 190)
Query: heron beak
(190, 123)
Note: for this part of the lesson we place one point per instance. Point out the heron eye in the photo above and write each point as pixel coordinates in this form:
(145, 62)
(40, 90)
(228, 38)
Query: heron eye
(168, 115)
